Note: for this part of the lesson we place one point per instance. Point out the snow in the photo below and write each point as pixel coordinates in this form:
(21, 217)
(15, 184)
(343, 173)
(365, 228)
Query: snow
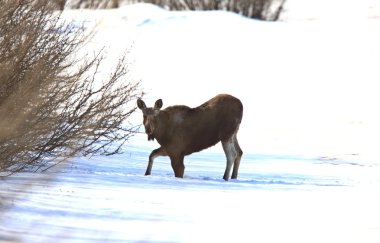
(310, 170)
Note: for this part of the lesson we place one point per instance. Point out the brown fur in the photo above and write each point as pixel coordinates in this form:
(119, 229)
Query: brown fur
(181, 130)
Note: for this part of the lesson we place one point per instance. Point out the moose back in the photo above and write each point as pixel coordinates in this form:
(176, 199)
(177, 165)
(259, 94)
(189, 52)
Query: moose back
(181, 130)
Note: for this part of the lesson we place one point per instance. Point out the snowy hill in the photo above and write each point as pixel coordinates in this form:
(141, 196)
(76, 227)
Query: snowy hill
(310, 169)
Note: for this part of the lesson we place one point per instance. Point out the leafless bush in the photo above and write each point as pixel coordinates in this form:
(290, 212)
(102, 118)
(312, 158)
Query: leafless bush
(60, 4)
(257, 9)
(53, 105)
(93, 4)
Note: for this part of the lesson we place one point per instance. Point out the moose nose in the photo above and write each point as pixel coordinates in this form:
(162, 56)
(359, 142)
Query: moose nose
(148, 130)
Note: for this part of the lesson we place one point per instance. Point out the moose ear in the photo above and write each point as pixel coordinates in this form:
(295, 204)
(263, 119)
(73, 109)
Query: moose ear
(141, 104)
(158, 104)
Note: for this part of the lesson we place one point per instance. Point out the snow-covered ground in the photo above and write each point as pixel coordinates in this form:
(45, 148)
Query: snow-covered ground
(310, 170)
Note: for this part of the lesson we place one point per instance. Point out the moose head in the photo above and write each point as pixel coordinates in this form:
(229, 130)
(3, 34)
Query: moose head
(150, 116)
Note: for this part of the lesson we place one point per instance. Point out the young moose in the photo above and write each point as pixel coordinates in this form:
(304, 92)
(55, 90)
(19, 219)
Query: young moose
(181, 130)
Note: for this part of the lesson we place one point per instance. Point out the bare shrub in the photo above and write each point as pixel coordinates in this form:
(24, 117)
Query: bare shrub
(53, 105)
(257, 9)
(93, 4)
(60, 4)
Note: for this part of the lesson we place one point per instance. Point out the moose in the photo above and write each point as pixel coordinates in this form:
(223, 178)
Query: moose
(181, 130)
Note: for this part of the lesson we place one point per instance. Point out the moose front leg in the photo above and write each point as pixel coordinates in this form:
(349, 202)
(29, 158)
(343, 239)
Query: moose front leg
(155, 153)
(178, 165)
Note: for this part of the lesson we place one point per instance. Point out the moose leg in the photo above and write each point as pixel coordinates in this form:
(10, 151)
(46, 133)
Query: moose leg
(177, 165)
(237, 159)
(155, 153)
(229, 150)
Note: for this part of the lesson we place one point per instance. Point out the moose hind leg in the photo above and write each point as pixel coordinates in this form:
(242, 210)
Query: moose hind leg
(229, 150)
(155, 153)
(237, 159)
